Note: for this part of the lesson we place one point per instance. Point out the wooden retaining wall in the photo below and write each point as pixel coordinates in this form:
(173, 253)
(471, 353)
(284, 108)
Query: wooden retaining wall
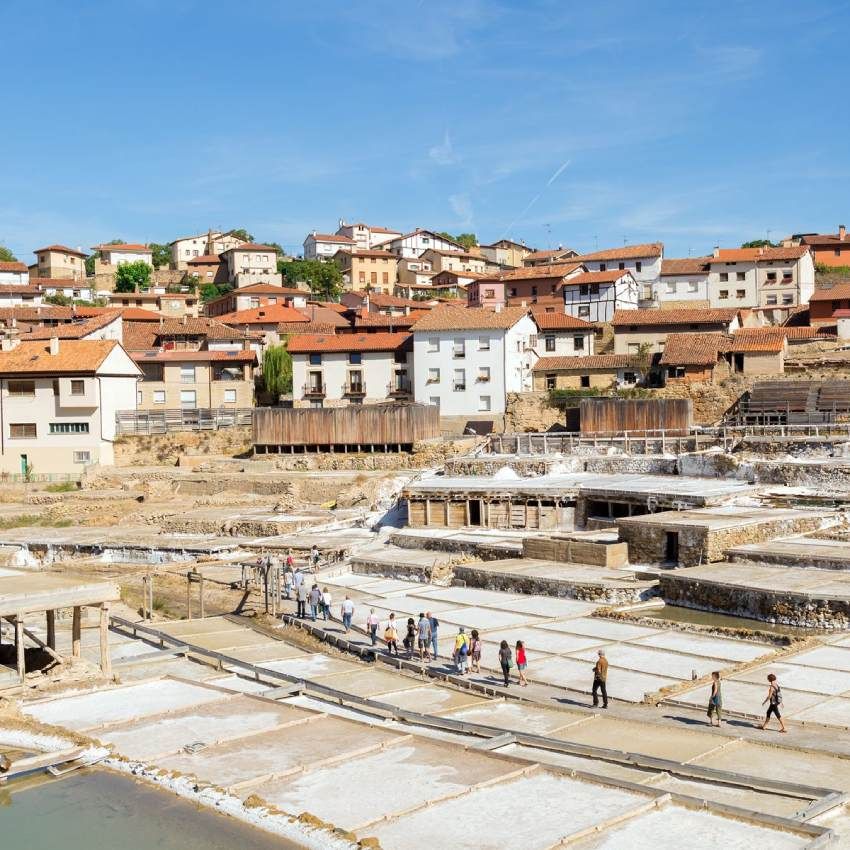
(635, 416)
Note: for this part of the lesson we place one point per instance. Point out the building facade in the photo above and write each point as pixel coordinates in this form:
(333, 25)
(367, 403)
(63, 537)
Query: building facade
(323, 246)
(596, 296)
(643, 261)
(211, 242)
(251, 263)
(599, 371)
(59, 261)
(412, 245)
(14, 273)
(371, 270)
(829, 249)
(646, 331)
(683, 283)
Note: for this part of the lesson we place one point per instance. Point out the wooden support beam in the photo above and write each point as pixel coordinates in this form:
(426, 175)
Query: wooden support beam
(105, 659)
(76, 625)
(19, 646)
(51, 629)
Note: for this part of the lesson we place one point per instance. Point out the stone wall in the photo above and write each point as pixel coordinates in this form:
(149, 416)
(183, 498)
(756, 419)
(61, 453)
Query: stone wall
(790, 609)
(530, 412)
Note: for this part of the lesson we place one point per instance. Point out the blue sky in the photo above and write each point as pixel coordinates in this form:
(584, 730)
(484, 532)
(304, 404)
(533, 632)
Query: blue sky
(570, 123)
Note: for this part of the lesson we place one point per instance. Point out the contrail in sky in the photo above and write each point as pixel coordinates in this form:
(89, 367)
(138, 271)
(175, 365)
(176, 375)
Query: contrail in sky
(557, 173)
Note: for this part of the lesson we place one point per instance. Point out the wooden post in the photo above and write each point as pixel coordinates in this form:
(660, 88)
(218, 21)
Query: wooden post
(75, 633)
(105, 660)
(201, 594)
(19, 646)
(51, 629)
(188, 597)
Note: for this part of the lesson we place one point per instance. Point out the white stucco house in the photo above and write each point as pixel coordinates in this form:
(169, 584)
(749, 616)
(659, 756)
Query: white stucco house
(14, 273)
(467, 360)
(203, 244)
(116, 255)
(683, 283)
(336, 370)
(59, 403)
(323, 246)
(561, 335)
(251, 263)
(643, 261)
(366, 236)
(414, 244)
(595, 296)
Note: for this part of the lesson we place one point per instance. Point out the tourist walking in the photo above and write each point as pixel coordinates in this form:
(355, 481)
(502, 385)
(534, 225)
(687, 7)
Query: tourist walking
(461, 651)
(475, 651)
(298, 578)
(521, 663)
(372, 626)
(314, 557)
(327, 601)
(315, 601)
(423, 637)
(435, 624)
(715, 700)
(287, 583)
(290, 561)
(391, 636)
(600, 679)
(506, 661)
(410, 637)
(301, 596)
(347, 612)
(773, 700)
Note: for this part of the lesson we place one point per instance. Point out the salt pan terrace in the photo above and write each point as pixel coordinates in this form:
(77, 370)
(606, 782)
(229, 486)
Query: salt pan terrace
(560, 636)
(302, 754)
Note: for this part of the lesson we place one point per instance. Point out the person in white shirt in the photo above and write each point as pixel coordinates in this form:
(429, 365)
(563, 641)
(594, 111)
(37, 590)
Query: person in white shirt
(347, 612)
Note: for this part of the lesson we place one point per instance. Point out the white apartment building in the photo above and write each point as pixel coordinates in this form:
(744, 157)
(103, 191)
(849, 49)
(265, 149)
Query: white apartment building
(59, 403)
(561, 335)
(250, 263)
(643, 261)
(323, 246)
(683, 283)
(454, 261)
(414, 244)
(114, 255)
(366, 236)
(79, 290)
(595, 296)
(467, 360)
(778, 279)
(204, 244)
(336, 370)
(14, 273)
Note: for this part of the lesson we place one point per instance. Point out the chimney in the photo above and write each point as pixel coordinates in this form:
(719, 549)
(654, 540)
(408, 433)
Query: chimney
(185, 319)
(54, 345)
(6, 344)
(842, 232)
(524, 304)
(716, 251)
(498, 306)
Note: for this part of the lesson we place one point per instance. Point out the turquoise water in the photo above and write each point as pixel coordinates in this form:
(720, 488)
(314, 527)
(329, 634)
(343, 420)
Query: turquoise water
(99, 810)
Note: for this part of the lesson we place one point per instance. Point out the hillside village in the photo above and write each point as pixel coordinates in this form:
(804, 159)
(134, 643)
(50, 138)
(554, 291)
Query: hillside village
(485, 333)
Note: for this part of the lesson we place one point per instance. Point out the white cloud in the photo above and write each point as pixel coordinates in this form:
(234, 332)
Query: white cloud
(461, 205)
(443, 153)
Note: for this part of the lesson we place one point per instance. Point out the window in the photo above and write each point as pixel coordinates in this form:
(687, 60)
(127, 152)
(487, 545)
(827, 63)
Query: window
(483, 374)
(740, 293)
(355, 358)
(551, 382)
(315, 359)
(433, 376)
(621, 266)
(489, 293)
(484, 404)
(385, 277)
(433, 345)
(634, 348)
(82, 457)
(788, 298)
(434, 401)
(787, 277)
(139, 396)
(159, 396)
(69, 427)
(771, 301)
(578, 343)
(603, 267)
(373, 277)
(723, 294)
(187, 374)
(583, 289)
(584, 312)
(638, 266)
(629, 378)
(78, 387)
(693, 286)
(255, 302)
(670, 288)
(21, 387)
(459, 382)
(549, 343)
(362, 277)
(22, 431)
(771, 276)
(585, 381)
(484, 343)
(534, 290)
(458, 349)
(724, 276)
(188, 398)
(513, 292)
(594, 289)
(740, 276)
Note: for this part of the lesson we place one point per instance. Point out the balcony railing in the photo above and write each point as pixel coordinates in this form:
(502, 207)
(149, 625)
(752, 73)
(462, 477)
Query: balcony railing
(357, 388)
(399, 387)
(313, 391)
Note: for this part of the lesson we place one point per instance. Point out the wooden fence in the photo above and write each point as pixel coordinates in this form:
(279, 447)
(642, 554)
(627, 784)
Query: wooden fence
(382, 426)
(635, 416)
(181, 419)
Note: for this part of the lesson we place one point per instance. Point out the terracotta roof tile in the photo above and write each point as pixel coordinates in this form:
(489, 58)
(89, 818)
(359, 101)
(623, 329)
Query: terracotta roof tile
(286, 328)
(545, 255)
(74, 330)
(267, 315)
(685, 265)
(537, 272)
(129, 247)
(686, 316)
(593, 361)
(559, 321)
(251, 246)
(697, 349)
(23, 289)
(12, 266)
(451, 318)
(330, 237)
(379, 320)
(826, 240)
(373, 252)
(61, 248)
(833, 293)
(609, 276)
(626, 252)
(75, 356)
(769, 340)
(743, 255)
(332, 305)
(204, 260)
(241, 356)
(309, 343)
(128, 314)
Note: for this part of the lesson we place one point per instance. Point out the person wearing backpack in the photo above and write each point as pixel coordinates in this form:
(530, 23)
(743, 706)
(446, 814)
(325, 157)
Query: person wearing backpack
(506, 661)
(391, 636)
(461, 652)
(773, 700)
(410, 637)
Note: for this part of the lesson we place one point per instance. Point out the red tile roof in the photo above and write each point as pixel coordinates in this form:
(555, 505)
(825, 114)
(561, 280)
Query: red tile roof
(833, 293)
(610, 276)
(545, 255)
(558, 270)
(373, 252)
(749, 255)
(826, 240)
(593, 361)
(241, 356)
(131, 248)
(559, 321)
(286, 328)
(76, 356)
(251, 246)
(128, 314)
(23, 289)
(267, 315)
(685, 265)
(626, 252)
(696, 349)
(379, 320)
(330, 237)
(753, 340)
(451, 318)
(689, 316)
(332, 305)
(12, 266)
(74, 330)
(204, 260)
(309, 343)
(61, 248)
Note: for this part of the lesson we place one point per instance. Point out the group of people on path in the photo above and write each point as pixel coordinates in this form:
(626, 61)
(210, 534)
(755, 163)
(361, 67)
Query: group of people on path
(773, 701)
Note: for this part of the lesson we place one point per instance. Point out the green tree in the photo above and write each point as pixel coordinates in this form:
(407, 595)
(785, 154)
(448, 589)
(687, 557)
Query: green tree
(278, 249)
(192, 281)
(468, 240)
(760, 243)
(59, 300)
(161, 255)
(132, 276)
(6, 256)
(209, 291)
(324, 279)
(241, 233)
(277, 370)
(90, 259)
